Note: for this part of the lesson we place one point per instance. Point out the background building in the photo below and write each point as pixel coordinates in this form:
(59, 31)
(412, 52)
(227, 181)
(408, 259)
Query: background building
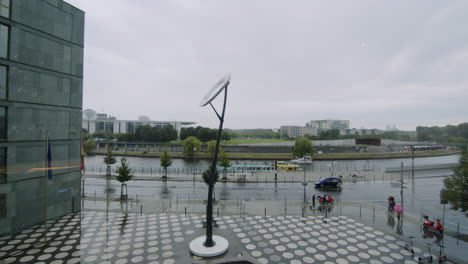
(328, 124)
(297, 131)
(94, 122)
(314, 128)
(41, 80)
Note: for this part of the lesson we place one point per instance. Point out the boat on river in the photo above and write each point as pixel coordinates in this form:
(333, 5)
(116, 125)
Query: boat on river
(303, 160)
(248, 167)
(398, 183)
(286, 166)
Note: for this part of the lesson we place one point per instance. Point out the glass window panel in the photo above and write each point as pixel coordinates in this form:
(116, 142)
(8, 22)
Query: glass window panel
(3, 41)
(3, 81)
(2, 123)
(2, 166)
(4, 12)
(5, 8)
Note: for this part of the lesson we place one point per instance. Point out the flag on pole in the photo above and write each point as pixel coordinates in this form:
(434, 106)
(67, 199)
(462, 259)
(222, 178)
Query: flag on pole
(49, 160)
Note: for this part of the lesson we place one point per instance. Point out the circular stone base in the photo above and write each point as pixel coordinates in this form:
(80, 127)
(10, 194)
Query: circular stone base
(197, 247)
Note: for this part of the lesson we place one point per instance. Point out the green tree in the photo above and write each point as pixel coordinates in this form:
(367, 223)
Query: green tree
(124, 174)
(106, 135)
(302, 147)
(125, 137)
(329, 134)
(206, 176)
(165, 162)
(225, 163)
(84, 134)
(225, 136)
(89, 146)
(109, 159)
(190, 145)
(210, 147)
(456, 186)
(206, 134)
(187, 132)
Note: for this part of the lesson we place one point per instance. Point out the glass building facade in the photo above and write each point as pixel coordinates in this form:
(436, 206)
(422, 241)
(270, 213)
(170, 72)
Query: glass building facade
(41, 84)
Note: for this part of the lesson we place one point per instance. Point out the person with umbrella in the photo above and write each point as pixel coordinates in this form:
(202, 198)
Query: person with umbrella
(399, 209)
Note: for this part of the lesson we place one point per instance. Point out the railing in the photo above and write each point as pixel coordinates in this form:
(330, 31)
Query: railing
(157, 171)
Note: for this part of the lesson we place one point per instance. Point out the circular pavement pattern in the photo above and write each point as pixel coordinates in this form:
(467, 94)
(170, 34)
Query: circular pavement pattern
(156, 238)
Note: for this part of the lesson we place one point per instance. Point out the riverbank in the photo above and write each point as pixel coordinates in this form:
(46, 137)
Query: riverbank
(288, 156)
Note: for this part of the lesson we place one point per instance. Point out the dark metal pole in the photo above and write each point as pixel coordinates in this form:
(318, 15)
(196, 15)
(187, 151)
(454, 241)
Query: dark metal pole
(412, 162)
(209, 207)
(304, 184)
(401, 187)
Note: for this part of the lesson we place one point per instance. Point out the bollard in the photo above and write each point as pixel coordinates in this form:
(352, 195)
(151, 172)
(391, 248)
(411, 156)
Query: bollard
(73, 204)
(170, 203)
(217, 211)
(163, 205)
(185, 210)
(265, 212)
(141, 209)
(360, 211)
(151, 171)
(302, 211)
(373, 212)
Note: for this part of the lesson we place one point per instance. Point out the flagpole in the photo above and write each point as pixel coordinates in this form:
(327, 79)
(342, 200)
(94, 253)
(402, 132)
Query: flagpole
(46, 167)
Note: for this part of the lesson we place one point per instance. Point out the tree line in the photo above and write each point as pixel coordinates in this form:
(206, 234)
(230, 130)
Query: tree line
(204, 134)
(446, 134)
(145, 133)
(335, 134)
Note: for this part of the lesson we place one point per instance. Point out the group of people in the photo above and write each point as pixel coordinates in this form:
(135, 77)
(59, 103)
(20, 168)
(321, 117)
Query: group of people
(321, 199)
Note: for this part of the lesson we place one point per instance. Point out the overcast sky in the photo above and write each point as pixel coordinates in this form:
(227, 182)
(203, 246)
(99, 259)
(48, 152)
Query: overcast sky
(374, 63)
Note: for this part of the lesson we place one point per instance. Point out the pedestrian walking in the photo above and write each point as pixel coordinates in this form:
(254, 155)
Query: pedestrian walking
(391, 204)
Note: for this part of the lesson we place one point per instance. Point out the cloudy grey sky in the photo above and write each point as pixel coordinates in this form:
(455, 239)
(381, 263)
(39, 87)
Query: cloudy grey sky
(371, 62)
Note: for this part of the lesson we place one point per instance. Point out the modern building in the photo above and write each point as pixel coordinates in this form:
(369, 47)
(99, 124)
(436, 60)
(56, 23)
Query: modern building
(314, 128)
(323, 125)
(94, 122)
(297, 131)
(41, 81)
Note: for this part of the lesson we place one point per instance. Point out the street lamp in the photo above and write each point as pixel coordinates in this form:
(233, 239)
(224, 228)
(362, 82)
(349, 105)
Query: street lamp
(304, 183)
(209, 245)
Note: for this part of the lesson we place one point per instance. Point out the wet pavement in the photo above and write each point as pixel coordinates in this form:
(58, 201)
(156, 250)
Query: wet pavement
(164, 238)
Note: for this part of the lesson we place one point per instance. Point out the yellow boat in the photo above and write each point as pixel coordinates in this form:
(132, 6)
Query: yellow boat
(285, 166)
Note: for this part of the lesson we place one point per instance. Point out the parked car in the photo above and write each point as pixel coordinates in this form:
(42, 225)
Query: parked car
(328, 182)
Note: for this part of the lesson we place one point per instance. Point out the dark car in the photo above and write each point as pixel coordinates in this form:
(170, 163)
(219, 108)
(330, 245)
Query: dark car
(328, 182)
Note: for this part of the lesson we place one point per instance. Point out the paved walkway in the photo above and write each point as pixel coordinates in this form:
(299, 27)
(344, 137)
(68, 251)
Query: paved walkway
(164, 238)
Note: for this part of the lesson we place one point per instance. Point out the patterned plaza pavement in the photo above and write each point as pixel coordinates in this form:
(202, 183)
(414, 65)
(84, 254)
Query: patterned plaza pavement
(164, 238)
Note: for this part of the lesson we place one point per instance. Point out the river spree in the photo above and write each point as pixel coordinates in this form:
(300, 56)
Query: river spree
(94, 163)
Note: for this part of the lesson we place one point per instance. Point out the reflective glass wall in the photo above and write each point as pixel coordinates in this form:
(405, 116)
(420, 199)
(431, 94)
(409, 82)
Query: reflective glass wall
(41, 79)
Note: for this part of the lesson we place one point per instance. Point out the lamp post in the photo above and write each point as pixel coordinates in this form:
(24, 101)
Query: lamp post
(193, 162)
(401, 186)
(412, 162)
(304, 183)
(209, 245)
